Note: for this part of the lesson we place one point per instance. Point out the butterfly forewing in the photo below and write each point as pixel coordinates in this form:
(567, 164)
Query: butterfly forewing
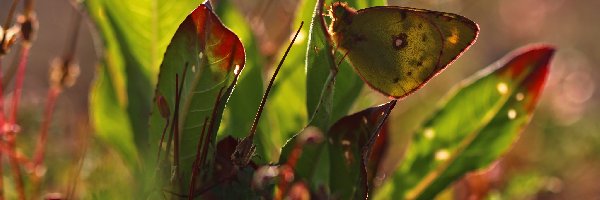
(458, 33)
(396, 50)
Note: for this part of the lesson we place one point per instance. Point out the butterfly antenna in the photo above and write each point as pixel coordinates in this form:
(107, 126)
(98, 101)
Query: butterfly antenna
(264, 98)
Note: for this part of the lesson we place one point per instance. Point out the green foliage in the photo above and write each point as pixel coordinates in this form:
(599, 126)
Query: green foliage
(474, 125)
(196, 78)
(135, 35)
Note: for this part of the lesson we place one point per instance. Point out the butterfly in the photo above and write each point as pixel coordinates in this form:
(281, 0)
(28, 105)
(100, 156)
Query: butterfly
(397, 50)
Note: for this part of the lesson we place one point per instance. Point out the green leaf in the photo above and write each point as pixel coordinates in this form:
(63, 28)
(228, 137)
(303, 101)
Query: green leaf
(475, 125)
(350, 139)
(207, 57)
(134, 34)
(104, 99)
(322, 96)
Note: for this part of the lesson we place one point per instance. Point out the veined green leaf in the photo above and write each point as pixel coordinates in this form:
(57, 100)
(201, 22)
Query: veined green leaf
(134, 34)
(474, 125)
(205, 58)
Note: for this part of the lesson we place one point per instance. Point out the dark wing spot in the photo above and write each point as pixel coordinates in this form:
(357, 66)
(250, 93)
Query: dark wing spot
(420, 63)
(420, 26)
(399, 41)
(424, 38)
(409, 73)
(396, 80)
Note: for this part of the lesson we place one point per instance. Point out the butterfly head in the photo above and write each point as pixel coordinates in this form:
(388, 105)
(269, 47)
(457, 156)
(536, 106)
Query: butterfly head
(341, 14)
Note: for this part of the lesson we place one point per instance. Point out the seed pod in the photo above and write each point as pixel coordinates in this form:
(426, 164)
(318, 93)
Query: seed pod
(29, 26)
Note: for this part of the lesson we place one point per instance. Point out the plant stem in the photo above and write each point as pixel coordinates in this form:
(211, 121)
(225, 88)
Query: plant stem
(11, 13)
(28, 7)
(1, 130)
(1, 174)
(53, 94)
(9, 73)
(81, 155)
(15, 167)
(196, 165)
(12, 130)
(19, 83)
(1, 108)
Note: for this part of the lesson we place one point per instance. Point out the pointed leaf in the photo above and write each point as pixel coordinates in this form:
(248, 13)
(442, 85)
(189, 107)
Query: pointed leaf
(134, 35)
(474, 125)
(210, 57)
(350, 139)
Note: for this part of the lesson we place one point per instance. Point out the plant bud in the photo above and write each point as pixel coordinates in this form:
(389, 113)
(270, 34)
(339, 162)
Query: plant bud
(63, 73)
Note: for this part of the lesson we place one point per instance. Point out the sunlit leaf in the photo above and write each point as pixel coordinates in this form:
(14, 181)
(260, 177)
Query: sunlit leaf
(474, 125)
(207, 57)
(105, 99)
(134, 35)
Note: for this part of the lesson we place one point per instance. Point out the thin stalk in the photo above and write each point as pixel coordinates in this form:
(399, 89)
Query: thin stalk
(53, 94)
(55, 91)
(264, 98)
(19, 83)
(71, 42)
(1, 110)
(196, 165)
(15, 166)
(28, 7)
(77, 171)
(1, 132)
(11, 135)
(1, 172)
(11, 13)
(11, 70)
(40, 148)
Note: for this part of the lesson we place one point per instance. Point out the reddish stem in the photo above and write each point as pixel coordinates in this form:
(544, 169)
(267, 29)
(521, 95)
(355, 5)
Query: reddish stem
(1, 130)
(1, 112)
(19, 84)
(11, 134)
(162, 138)
(197, 163)
(53, 94)
(1, 174)
(15, 167)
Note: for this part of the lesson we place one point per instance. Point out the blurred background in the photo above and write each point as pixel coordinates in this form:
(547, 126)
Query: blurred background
(557, 156)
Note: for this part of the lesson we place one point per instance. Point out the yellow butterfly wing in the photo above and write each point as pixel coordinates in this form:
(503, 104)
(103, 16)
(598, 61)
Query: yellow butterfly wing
(396, 50)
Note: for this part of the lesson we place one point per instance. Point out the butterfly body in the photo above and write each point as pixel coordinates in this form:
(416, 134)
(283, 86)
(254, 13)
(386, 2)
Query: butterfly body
(396, 50)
